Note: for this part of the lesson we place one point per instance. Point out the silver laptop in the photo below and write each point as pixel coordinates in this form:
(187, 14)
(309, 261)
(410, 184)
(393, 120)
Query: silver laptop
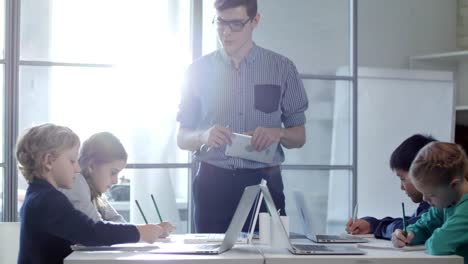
(203, 238)
(235, 227)
(308, 229)
(305, 249)
(241, 148)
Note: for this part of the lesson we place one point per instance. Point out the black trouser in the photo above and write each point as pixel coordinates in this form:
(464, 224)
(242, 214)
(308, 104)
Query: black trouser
(217, 192)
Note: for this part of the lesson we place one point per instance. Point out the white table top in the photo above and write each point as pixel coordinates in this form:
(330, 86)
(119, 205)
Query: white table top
(275, 256)
(372, 256)
(256, 254)
(239, 254)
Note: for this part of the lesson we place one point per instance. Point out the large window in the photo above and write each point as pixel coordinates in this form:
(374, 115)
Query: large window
(2, 103)
(2, 31)
(328, 125)
(170, 190)
(2, 160)
(117, 65)
(111, 66)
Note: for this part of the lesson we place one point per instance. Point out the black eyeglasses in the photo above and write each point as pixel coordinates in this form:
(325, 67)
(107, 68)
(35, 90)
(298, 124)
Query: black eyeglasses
(234, 25)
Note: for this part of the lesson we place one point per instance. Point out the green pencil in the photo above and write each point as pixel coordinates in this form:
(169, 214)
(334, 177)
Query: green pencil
(157, 209)
(405, 233)
(141, 211)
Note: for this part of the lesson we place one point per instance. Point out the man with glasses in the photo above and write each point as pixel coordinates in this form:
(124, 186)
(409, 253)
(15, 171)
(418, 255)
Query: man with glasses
(245, 89)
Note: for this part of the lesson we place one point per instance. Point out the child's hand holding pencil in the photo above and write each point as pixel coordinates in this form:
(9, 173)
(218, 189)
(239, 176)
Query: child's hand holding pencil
(167, 227)
(399, 239)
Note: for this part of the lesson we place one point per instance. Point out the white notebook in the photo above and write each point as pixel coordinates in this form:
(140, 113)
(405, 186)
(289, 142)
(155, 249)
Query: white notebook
(387, 245)
(241, 148)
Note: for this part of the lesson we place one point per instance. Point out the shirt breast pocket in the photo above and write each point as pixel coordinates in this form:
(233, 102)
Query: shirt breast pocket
(267, 97)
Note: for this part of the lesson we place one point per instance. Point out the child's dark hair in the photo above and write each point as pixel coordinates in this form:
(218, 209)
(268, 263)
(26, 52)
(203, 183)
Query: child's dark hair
(439, 163)
(405, 153)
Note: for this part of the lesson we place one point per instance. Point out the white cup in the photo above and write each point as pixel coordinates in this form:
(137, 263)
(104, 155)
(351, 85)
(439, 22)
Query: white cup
(264, 228)
(277, 236)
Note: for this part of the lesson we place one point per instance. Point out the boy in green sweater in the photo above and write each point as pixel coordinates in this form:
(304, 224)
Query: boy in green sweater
(439, 172)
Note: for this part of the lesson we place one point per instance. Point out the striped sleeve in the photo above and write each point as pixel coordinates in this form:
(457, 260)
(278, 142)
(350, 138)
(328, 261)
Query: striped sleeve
(295, 101)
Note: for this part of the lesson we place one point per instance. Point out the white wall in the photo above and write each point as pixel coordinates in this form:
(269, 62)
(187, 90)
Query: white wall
(391, 31)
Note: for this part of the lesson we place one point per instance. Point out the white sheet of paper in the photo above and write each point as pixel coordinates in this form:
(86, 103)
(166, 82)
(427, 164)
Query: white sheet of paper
(241, 148)
(387, 245)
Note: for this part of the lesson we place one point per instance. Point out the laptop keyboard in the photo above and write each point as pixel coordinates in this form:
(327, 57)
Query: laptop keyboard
(329, 237)
(220, 237)
(215, 237)
(312, 247)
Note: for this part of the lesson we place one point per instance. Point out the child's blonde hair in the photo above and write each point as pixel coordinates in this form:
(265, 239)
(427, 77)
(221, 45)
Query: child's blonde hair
(39, 141)
(438, 163)
(100, 148)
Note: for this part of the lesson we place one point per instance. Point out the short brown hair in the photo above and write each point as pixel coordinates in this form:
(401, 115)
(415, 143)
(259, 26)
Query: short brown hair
(38, 141)
(438, 163)
(250, 5)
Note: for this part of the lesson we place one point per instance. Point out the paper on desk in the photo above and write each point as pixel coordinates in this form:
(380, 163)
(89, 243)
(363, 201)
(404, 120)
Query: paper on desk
(387, 245)
(117, 247)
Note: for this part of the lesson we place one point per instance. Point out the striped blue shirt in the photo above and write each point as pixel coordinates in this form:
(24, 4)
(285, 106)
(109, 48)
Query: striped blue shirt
(265, 91)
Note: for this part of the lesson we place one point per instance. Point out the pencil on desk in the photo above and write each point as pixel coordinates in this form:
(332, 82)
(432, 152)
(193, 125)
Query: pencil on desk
(157, 209)
(405, 233)
(141, 211)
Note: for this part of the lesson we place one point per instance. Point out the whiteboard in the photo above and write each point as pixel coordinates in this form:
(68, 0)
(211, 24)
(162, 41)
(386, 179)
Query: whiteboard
(393, 104)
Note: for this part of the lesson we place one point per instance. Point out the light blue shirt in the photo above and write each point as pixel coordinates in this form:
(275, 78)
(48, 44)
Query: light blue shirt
(265, 91)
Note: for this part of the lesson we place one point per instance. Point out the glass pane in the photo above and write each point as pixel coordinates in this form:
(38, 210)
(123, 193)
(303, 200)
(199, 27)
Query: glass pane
(210, 38)
(327, 199)
(328, 125)
(1, 192)
(170, 190)
(2, 114)
(314, 34)
(168, 186)
(125, 102)
(105, 31)
(22, 187)
(2, 29)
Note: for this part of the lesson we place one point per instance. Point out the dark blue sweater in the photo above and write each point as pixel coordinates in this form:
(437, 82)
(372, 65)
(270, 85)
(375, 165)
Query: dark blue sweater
(50, 225)
(383, 228)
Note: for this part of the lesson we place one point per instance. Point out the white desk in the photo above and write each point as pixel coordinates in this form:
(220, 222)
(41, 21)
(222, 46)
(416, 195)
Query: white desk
(281, 256)
(259, 254)
(239, 254)
(372, 256)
